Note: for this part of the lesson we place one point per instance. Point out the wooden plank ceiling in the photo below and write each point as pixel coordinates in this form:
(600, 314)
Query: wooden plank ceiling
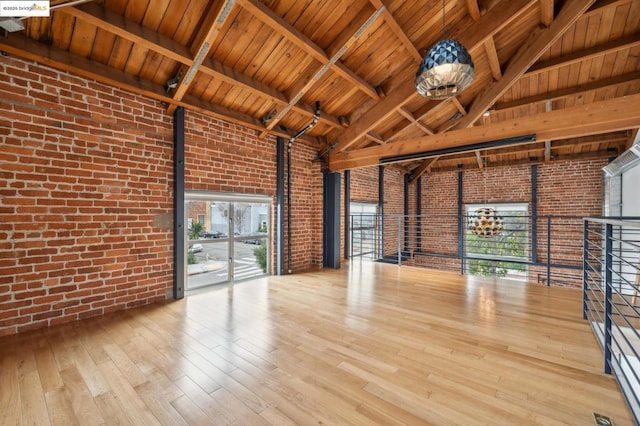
(566, 71)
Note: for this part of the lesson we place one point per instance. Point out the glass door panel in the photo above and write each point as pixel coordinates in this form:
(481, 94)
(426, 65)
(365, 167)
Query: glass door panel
(250, 246)
(207, 244)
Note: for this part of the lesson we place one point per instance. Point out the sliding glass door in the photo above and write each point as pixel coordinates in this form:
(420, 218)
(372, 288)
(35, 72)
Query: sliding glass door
(227, 238)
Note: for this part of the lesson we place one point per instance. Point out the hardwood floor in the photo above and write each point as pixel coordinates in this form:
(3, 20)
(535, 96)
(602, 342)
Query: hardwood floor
(371, 343)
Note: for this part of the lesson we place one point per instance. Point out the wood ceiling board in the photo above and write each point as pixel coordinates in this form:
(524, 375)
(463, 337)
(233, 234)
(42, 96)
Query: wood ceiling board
(103, 46)
(156, 14)
(120, 54)
(82, 38)
(63, 24)
(136, 10)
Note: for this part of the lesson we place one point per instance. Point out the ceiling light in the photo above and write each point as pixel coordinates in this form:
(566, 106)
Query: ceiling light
(446, 70)
(11, 25)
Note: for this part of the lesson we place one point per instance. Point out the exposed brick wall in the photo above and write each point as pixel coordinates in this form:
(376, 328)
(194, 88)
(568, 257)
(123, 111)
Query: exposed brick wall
(86, 194)
(564, 188)
(85, 198)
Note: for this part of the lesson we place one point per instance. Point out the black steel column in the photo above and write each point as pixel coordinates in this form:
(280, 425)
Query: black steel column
(179, 264)
(331, 221)
(347, 213)
(380, 212)
(406, 212)
(280, 163)
(460, 223)
(419, 214)
(534, 213)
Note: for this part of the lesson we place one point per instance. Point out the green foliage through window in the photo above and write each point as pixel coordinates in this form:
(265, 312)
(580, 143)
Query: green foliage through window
(260, 253)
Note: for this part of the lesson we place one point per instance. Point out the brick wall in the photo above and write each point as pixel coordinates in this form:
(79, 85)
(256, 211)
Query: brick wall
(565, 188)
(85, 198)
(86, 194)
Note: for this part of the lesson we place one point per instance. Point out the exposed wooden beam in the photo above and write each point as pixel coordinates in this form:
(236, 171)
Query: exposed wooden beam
(374, 137)
(479, 160)
(633, 134)
(26, 48)
(459, 106)
(492, 57)
(525, 57)
(570, 91)
(397, 30)
(341, 45)
(599, 117)
(134, 32)
(200, 49)
(583, 55)
(471, 37)
(409, 116)
(547, 151)
(266, 15)
(546, 12)
(473, 9)
(423, 168)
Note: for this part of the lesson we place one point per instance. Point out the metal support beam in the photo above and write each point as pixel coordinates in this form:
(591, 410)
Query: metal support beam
(179, 249)
(347, 213)
(460, 222)
(419, 214)
(280, 163)
(534, 213)
(380, 212)
(331, 221)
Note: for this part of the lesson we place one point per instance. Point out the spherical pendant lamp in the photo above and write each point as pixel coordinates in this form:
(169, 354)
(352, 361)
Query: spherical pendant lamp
(485, 223)
(446, 70)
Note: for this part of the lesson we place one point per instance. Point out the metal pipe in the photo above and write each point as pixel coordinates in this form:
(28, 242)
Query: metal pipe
(314, 121)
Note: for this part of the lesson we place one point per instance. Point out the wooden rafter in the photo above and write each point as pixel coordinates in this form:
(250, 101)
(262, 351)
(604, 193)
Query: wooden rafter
(413, 121)
(266, 15)
(526, 57)
(471, 37)
(596, 118)
(546, 12)
(473, 9)
(479, 160)
(570, 91)
(423, 168)
(492, 57)
(200, 49)
(136, 33)
(583, 55)
(346, 40)
(397, 30)
(29, 49)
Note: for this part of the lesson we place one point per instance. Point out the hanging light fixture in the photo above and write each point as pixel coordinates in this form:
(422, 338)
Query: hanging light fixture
(447, 68)
(485, 223)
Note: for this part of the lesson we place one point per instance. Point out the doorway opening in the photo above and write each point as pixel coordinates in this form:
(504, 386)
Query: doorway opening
(226, 238)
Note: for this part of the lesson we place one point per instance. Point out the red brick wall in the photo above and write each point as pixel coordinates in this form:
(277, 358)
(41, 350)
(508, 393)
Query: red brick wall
(565, 188)
(85, 198)
(86, 194)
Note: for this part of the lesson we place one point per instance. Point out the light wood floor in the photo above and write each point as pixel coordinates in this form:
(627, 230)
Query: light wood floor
(368, 344)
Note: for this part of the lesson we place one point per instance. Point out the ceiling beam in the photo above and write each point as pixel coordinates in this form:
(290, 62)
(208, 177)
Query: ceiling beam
(492, 57)
(266, 15)
(570, 91)
(397, 30)
(340, 47)
(136, 33)
(409, 116)
(623, 43)
(479, 160)
(423, 168)
(471, 37)
(200, 49)
(546, 12)
(599, 117)
(21, 46)
(525, 57)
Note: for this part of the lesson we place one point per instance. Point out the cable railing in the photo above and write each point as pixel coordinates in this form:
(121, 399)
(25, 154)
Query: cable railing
(611, 285)
(544, 249)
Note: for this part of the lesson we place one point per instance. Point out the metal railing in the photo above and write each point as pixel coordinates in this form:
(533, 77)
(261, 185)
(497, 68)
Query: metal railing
(611, 282)
(545, 249)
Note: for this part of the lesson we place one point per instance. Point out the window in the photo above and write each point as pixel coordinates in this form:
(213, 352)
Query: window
(362, 228)
(201, 219)
(496, 240)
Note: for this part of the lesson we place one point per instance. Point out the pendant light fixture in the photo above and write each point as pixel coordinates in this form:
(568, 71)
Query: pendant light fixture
(447, 68)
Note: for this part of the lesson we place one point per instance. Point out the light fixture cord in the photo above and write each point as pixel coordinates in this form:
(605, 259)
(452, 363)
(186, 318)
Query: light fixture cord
(444, 21)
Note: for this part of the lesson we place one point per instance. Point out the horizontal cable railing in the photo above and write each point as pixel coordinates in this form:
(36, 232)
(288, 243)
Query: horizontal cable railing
(611, 282)
(544, 249)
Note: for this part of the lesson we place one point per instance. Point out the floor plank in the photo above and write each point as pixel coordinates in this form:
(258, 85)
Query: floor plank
(367, 344)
